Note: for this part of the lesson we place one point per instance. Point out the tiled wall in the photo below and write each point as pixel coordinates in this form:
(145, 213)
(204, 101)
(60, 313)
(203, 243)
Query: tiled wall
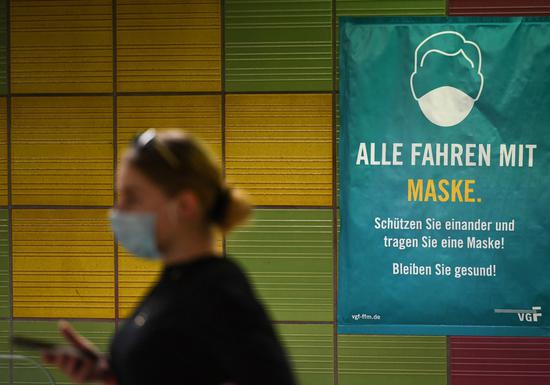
(257, 81)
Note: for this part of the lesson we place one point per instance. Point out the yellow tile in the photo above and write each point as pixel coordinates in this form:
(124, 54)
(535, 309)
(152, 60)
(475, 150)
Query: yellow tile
(136, 276)
(61, 46)
(62, 150)
(279, 147)
(168, 46)
(63, 264)
(3, 153)
(198, 114)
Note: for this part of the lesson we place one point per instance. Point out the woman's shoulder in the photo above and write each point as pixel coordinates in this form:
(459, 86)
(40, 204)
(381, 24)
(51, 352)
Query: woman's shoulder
(217, 287)
(226, 277)
(210, 276)
(228, 268)
(208, 266)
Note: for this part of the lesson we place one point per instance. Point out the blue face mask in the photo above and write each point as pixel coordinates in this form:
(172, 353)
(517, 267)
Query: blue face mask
(135, 232)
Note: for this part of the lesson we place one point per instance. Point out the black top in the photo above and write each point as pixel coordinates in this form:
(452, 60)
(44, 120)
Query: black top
(201, 323)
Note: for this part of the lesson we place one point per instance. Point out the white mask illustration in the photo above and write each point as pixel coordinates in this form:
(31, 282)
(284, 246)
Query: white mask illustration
(446, 106)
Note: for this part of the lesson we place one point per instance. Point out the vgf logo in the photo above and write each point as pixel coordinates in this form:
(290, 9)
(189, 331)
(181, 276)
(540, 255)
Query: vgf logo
(529, 315)
(532, 316)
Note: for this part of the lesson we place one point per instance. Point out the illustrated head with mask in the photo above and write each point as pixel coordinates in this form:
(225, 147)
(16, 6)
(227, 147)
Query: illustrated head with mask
(172, 194)
(447, 79)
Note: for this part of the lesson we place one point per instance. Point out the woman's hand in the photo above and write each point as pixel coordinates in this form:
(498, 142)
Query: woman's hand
(82, 361)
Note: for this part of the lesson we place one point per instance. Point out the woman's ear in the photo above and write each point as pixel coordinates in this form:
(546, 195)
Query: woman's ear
(188, 205)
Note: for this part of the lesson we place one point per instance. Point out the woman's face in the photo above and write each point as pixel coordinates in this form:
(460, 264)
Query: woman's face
(174, 215)
(136, 192)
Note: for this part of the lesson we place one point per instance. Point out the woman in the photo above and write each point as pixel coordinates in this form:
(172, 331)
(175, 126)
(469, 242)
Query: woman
(201, 322)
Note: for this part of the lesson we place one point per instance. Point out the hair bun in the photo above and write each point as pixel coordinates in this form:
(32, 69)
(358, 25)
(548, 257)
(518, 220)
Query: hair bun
(233, 208)
(220, 206)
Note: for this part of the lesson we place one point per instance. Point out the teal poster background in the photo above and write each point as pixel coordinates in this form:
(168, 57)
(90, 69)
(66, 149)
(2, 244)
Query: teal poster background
(480, 86)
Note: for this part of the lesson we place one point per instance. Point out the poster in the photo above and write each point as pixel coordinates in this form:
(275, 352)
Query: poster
(444, 176)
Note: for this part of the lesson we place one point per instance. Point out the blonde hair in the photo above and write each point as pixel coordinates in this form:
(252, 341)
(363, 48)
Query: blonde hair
(177, 161)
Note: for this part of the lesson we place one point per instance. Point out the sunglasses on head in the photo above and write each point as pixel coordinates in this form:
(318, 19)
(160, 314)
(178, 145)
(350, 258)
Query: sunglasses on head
(149, 139)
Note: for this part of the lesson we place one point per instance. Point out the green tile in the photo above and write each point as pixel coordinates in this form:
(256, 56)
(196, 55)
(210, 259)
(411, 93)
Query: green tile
(288, 256)
(390, 7)
(28, 374)
(4, 266)
(3, 47)
(278, 45)
(4, 350)
(311, 351)
(390, 360)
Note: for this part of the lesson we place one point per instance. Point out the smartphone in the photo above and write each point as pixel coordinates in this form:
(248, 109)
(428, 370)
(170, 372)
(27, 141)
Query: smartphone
(31, 343)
